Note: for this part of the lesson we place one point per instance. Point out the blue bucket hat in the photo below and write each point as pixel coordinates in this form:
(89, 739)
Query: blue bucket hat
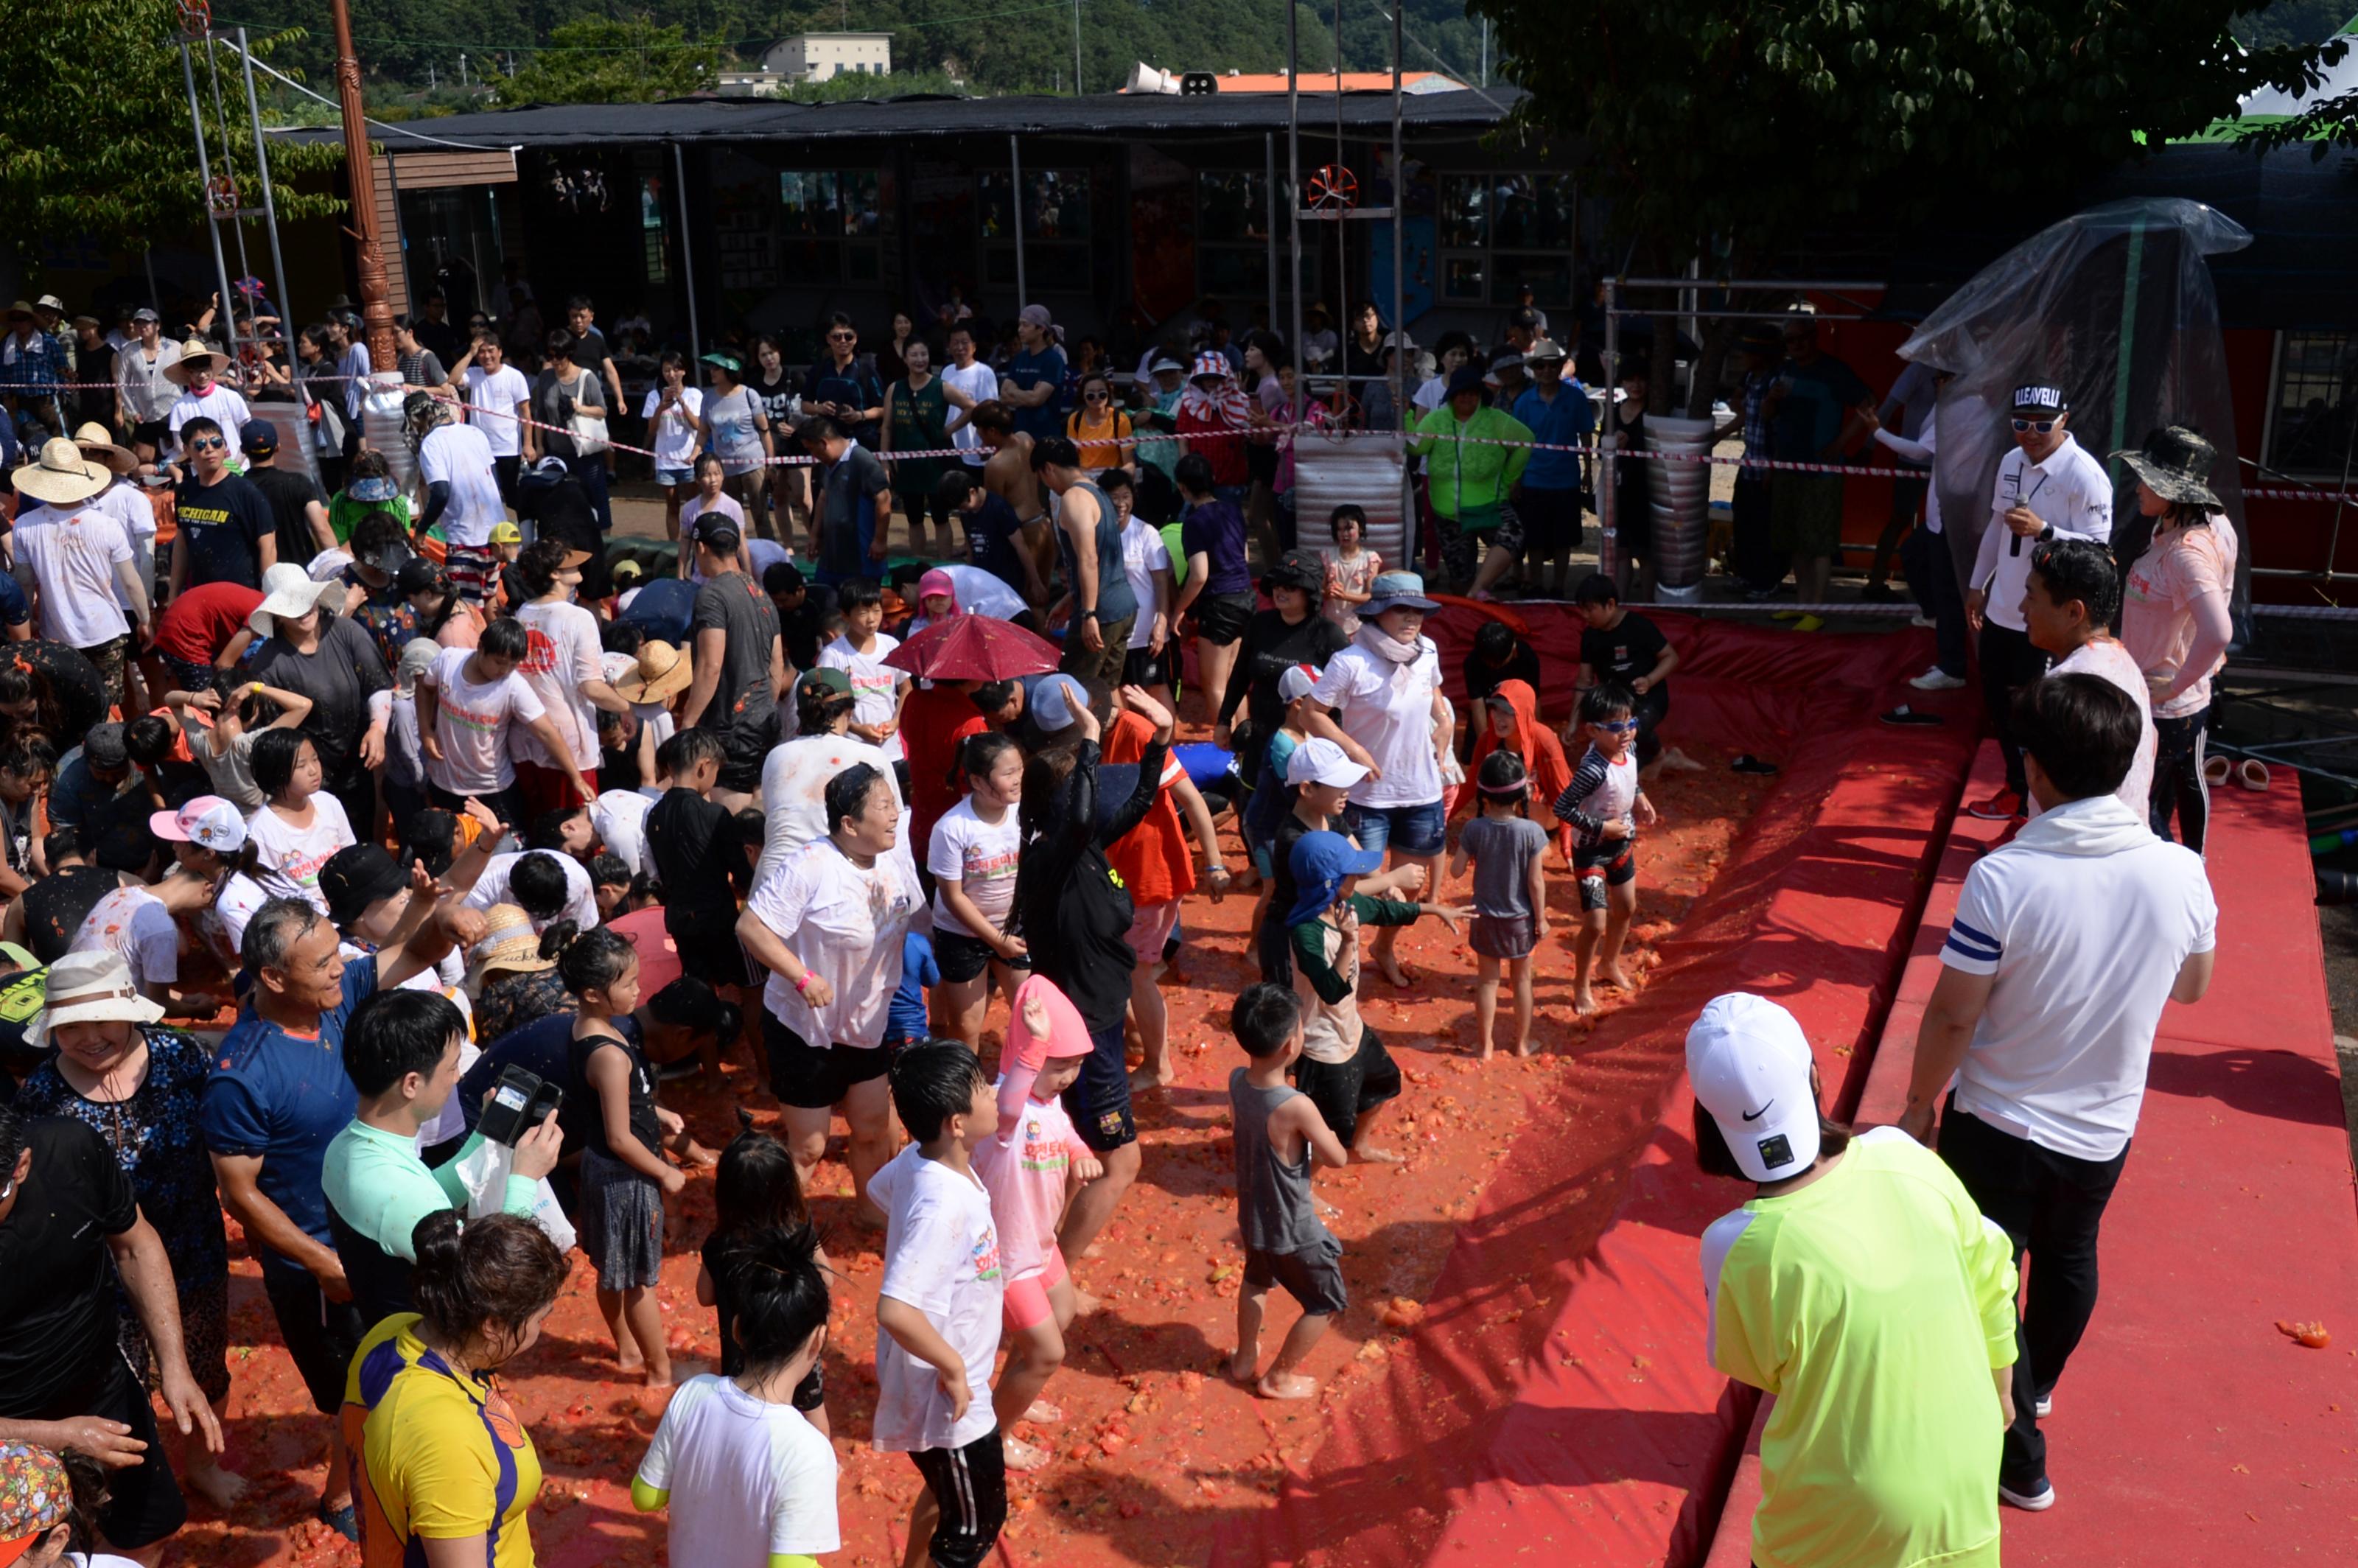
(1320, 862)
(1396, 590)
(373, 489)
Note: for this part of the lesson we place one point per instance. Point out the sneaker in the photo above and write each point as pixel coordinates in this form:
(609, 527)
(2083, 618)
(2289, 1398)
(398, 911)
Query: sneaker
(1999, 807)
(1808, 623)
(2045, 1407)
(1903, 714)
(1920, 619)
(2035, 1501)
(1937, 679)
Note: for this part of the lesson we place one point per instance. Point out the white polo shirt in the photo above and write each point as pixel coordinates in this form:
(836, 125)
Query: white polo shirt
(2058, 1056)
(2071, 493)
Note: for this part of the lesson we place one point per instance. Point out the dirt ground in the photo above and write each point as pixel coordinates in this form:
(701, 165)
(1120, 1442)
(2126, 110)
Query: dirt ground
(1157, 1447)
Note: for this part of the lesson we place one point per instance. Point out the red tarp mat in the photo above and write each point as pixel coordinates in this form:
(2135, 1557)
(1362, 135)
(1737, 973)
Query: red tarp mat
(1555, 1403)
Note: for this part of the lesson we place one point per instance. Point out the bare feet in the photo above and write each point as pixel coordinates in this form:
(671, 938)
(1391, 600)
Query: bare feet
(1371, 1154)
(1396, 972)
(222, 1487)
(1043, 1414)
(659, 1379)
(1613, 974)
(630, 1365)
(696, 1155)
(1022, 1455)
(1245, 1367)
(1583, 1001)
(1290, 1386)
(1147, 1080)
(1084, 1304)
(1484, 1054)
(1527, 1048)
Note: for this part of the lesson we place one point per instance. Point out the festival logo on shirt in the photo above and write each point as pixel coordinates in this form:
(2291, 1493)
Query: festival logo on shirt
(985, 1254)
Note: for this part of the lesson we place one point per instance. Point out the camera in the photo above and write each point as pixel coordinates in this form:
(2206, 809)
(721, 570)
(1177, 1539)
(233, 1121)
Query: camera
(521, 1100)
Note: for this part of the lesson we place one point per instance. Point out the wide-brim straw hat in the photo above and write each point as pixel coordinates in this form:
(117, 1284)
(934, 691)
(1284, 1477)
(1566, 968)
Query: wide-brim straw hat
(193, 352)
(287, 590)
(96, 441)
(509, 942)
(62, 475)
(86, 988)
(663, 671)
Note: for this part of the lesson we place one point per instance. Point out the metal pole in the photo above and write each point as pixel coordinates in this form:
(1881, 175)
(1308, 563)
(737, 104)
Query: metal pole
(269, 201)
(1077, 48)
(1293, 211)
(1400, 289)
(224, 318)
(147, 260)
(686, 255)
(1608, 549)
(1269, 189)
(1015, 216)
(220, 118)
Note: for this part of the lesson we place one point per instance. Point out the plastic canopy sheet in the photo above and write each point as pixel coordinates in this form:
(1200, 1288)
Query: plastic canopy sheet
(2115, 305)
(1555, 1405)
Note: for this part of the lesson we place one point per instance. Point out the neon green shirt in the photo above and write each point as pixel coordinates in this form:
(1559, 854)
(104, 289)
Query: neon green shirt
(1873, 1303)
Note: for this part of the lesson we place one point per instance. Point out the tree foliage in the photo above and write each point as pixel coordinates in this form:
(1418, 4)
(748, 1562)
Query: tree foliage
(597, 61)
(94, 136)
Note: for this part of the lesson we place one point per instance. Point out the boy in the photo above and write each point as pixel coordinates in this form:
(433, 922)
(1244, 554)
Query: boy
(696, 851)
(859, 654)
(2069, 600)
(1321, 776)
(1345, 1070)
(1279, 1137)
(937, 1312)
(800, 616)
(1605, 805)
(1627, 650)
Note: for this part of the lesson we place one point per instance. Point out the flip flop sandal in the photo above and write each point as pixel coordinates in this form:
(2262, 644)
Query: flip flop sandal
(2215, 771)
(2252, 774)
(1745, 763)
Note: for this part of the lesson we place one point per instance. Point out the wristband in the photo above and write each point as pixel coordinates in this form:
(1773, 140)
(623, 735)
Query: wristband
(804, 984)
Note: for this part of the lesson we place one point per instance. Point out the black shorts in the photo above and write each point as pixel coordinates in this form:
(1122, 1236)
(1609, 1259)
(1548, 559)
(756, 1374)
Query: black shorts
(1346, 1091)
(1551, 520)
(816, 1077)
(708, 948)
(144, 1503)
(152, 433)
(1099, 1100)
(507, 804)
(320, 1335)
(1141, 667)
(1221, 618)
(963, 957)
(1261, 464)
(1314, 1277)
(1601, 868)
(969, 1487)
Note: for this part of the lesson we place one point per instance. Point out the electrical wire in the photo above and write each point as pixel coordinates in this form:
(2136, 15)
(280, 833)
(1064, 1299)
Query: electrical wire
(733, 45)
(381, 125)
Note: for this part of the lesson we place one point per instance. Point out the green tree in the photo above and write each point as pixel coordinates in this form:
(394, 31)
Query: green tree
(1726, 129)
(597, 61)
(97, 140)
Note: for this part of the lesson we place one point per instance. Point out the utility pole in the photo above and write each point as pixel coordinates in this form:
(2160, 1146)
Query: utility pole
(360, 180)
(1077, 48)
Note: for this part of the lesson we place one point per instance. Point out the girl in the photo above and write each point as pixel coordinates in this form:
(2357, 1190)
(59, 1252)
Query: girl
(1511, 722)
(754, 1192)
(624, 1179)
(1350, 568)
(1216, 412)
(739, 431)
(1510, 900)
(1029, 1168)
(299, 824)
(1099, 427)
(674, 415)
(709, 496)
(780, 395)
(443, 615)
(372, 489)
(221, 724)
(972, 856)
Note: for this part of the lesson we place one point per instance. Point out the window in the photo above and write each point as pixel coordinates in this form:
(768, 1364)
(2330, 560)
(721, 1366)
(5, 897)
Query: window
(2317, 398)
(1057, 227)
(1231, 232)
(830, 220)
(1500, 232)
(650, 225)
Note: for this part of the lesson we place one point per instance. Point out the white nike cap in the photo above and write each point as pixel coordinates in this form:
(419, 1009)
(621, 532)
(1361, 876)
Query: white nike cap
(1749, 1065)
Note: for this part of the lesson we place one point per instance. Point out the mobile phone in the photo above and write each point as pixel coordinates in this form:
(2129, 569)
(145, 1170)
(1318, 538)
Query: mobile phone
(521, 1100)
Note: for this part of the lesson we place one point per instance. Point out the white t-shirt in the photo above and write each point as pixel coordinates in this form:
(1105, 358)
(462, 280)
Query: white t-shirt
(696, 506)
(494, 396)
(564, 653)
(219, 404)
(460, 456)
(1143, 554)
(2085, 918)
(979, 382)
(471, 722)
(980, 857)
(1394, 722)
(619, 815)
(72, 558)
(2070, 492)
(291, 857)
(846, 925)
(581, 895)
(941, 1256)
(224, 926)
(749, 1481)
(678, 435)
(133, 923)
(2106, 657)
(875, 685)
(794, 795)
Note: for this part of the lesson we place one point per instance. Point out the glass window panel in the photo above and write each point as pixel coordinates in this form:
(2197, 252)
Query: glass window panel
(1228, 270)
(1055, 205)
(863, 262)
(1464, 211)
(2317, 398)
(1460, 278)
(994, 190)
(1550, 277)
(1533, 212)
(810, 202)
(1064, 267)
(1232, 208)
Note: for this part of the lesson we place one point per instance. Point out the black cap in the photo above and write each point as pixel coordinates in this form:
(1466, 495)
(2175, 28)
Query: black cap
(356, 877)
(1304, 569)
(417, 574)
(258, 436)
(104, 747)
(1523, 316)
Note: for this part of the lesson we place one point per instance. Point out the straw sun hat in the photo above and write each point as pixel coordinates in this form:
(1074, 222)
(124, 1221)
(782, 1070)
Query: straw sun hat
(88, 986)
(663, 671)
(509, 942)
(288, 591)
(62, 475)
(193, 352)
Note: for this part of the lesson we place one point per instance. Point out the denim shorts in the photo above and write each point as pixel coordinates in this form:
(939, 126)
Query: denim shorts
(1412, 830)
(671, 479)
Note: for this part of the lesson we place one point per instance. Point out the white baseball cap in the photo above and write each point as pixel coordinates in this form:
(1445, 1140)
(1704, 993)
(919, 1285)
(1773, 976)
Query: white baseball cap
(1321, 762)
(207, 821)
(1749, 1065)
(1297, 682)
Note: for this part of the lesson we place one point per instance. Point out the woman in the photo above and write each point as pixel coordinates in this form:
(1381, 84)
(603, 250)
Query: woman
(137, 1085)
(1632, 498)
(300, 825)
(1363, 351)
(1218, 583)
(567, 671)
(1453, 349)
(372, 492)
(830, 927)
(442, 1467)
(373, 597)
(893, 359)
(49, 686)
(794, 775)
(1291, 632)
(673, 412)
(441, 614)
(1099, 427)
(336, 665)
(512, 971)
(739, 431)
(916, 419)
(972, 854)
(570, 403)
(2175, 616)
(28, 766)
(779, 390)
(1265, 358)
(1215, 413)
(323, 404)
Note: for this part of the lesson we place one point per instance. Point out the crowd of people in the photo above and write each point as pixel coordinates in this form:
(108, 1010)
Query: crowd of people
(370, 864)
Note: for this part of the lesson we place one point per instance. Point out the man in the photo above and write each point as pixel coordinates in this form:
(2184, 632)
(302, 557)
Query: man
(32, 357)
(1815, 411)
(499, 401)
(1007, 473)
(462, 492)
(1548, 500)
(2067, 605)
(228, 533)
(994, 541)
(1931, 570)
(276, 1097)
(843, 387)
(93, 397)
(2046, 1018)
(435, 331)
(851, 509)
(1088, 538)
(589, 350)
(967, 385)
(71, 1235)
(1761, 566)
(144, 394)
(1033, 386)
(73, 556)
(1506, 380)
(418, 364)
(741, 668)
(1475, 457)
(1905, 406)
(299, 510)
(1525, 325)
(201, 397)
(2049, 485)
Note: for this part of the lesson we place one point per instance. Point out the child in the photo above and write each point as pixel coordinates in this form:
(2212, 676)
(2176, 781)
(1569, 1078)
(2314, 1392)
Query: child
(670, 414)
(1627, 650)
(624, 1177)
(221, 725)
(1321, 776)
(798, 616)
(755, 1193)
(708, 497)
(405, 762)
(747, 1477)
(1278, 1136)
(1499, 656)
(1029, 1167)
(1272, 799)
(1350, 568)
(1509, 891)
(697, 852)
(1605, 805)
(971, 854)
(300, 824)
(904, 1016)
(859, 654)
(1344, 1069)
(1511, 723)
(937, 1310)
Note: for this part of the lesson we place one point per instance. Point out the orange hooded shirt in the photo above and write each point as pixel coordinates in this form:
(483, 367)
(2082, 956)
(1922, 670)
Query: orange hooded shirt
(1543, 756)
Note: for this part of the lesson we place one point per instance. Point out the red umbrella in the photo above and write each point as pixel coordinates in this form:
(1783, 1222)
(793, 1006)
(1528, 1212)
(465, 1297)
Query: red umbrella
(974, 647)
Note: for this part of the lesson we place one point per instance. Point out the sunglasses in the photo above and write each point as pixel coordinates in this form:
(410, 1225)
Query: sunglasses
(1095, 396)
(1618, 726)
(2044, 426)
(207, 444)
(841, 337)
